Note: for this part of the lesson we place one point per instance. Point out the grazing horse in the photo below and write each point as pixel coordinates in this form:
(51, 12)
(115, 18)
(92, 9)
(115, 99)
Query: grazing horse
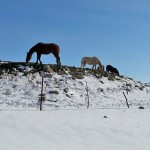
(112, 69)
(91, 61)
(42, 48)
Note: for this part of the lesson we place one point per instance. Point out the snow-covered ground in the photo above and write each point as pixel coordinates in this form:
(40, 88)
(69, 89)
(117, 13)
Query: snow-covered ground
(126, 129)
(65, 122)
(62, 91)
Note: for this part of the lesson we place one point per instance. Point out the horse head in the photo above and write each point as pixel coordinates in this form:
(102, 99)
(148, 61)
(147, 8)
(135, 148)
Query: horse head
(28, 57)
(100, 68)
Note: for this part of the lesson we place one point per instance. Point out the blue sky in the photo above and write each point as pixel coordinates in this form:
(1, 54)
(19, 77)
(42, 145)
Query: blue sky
(116, 31)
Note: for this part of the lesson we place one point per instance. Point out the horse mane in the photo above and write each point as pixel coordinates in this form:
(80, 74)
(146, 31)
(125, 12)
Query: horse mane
(34, 48)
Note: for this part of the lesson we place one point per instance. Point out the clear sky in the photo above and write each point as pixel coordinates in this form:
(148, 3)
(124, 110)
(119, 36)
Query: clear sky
(116, 31)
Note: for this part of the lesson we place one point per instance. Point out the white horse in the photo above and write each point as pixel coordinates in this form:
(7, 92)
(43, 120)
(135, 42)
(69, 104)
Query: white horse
(91, 61)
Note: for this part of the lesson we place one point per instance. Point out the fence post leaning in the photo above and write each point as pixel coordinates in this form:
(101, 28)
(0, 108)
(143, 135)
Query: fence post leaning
(126, 99)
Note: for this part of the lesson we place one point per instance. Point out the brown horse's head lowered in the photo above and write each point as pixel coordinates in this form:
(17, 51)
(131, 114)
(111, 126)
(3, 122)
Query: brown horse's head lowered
(28, 57)
(42, 48)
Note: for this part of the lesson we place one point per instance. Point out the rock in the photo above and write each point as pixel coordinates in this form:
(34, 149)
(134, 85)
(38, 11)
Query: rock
(61, 72)
(141, 88)
(53, 92)
(110, 78)
(68, 95)
(67, 69)
(73, 77)
(100, 90)
(66, 90)
(48, 69)
(98, 76)
(1, 72)
(8, 92)
(49, 75)
(78, 76)
(81, 83)
(141, 107)
(101, 82)
(105, 74)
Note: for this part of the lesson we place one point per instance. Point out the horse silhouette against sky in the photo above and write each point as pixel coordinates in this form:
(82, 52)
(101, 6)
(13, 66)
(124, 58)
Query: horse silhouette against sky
(42, 48)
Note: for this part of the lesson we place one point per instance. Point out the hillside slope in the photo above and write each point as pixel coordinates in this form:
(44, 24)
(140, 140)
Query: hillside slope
(69, 87)
(65, 122)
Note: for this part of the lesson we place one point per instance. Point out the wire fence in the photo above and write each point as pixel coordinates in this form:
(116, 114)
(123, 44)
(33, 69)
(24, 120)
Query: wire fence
(96, 97)
(66, 93)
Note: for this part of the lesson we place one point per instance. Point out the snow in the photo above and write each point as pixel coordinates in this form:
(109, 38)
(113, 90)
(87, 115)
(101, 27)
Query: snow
(75, 129)
(65, 122)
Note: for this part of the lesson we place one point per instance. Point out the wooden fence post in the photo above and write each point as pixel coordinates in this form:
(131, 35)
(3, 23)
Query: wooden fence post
(126, 99)
(41, 95)
(127, 90)
(88, 102)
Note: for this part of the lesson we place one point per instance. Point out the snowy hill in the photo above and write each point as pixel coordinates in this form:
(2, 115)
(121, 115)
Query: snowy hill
(65, 122)
(67, 88)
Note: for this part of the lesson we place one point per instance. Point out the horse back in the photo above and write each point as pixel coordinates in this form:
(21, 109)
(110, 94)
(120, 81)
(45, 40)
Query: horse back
(112, 69)
(90, 60)
(47, 48)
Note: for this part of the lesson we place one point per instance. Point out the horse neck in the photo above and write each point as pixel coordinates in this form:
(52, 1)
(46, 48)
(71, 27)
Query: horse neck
(32, 50)
(100, 65)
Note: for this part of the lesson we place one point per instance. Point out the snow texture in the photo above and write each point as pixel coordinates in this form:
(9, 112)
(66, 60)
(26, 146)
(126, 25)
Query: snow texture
(65, 122)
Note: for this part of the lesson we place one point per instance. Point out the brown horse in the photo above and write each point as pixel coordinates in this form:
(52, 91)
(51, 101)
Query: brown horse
(42, 48)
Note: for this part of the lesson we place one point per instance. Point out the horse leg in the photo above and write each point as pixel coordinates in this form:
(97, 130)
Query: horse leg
(39, 59)
(82, 65)
(58, 61)
(100, 68)
(36, 60)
